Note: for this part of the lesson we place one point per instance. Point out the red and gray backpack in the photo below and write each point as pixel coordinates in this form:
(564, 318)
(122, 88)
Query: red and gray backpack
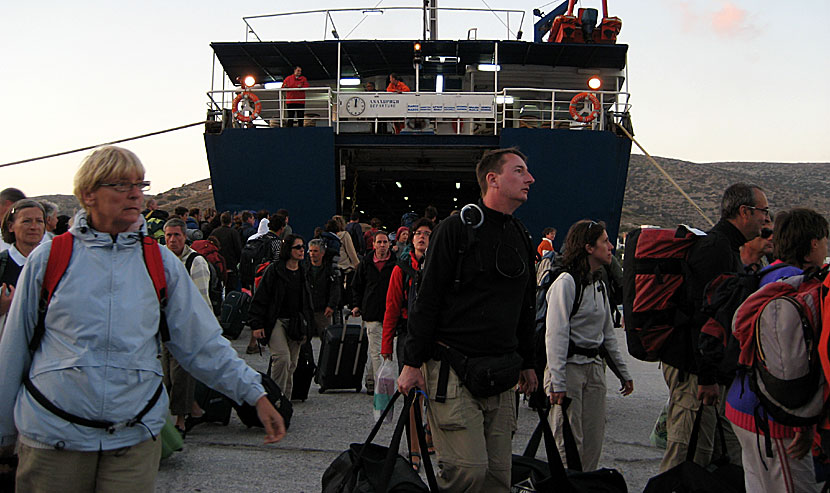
(655, 300)
(778, 328)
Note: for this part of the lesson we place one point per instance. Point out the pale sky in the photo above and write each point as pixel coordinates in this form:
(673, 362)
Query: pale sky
(711, 80)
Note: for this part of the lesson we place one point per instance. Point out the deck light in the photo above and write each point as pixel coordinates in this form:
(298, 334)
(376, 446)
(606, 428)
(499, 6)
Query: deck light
(439, 83)
(398, 184)
(488, 67)
(458, 185)
(249, 81)
(349, 81)
(595, 82)
(504, 99)
(273, 85)
(417, 59)
(406, 198)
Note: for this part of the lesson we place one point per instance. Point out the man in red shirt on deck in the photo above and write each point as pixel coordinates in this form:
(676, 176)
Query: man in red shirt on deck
(295, 100)
(396, 85)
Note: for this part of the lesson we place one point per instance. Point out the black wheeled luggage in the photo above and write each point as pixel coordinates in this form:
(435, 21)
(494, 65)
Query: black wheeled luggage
(342, 357)
(234, 313)
(301, 380)
(216, 406)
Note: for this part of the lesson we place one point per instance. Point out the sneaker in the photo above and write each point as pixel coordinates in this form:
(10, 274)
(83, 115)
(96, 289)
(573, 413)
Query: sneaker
(252, 349)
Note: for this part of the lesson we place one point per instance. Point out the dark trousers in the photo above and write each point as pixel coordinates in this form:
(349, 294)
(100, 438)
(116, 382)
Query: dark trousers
(294, 111)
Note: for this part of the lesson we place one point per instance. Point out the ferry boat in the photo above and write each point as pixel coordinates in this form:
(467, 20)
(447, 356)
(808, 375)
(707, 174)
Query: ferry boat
(558, 98)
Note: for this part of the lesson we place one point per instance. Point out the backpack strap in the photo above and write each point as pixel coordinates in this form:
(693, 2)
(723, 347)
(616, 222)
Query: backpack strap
(59, 257)
(155, 266)
(188, 263)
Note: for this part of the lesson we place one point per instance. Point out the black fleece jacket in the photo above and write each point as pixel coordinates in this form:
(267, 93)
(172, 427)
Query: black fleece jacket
(493, 310)
(369, 287)
(716, 253)
(269, 296)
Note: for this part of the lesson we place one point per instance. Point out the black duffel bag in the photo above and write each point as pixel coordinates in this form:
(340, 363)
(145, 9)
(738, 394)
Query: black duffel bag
(531, 475)
(689, 477)
(371, 468)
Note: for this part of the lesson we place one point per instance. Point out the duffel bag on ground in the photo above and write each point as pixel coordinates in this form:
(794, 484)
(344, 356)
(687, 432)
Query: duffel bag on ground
(368, 467)
(531, 475)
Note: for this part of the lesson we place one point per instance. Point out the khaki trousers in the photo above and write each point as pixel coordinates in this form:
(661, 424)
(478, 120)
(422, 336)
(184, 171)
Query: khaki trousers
(284, 356)
(180, 386)
(586, 413)
(126, 470)
(472, 436)
(374, 332)
(683, 407)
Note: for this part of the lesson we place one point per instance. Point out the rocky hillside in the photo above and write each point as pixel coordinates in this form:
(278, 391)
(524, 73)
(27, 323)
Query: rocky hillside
(649, 197)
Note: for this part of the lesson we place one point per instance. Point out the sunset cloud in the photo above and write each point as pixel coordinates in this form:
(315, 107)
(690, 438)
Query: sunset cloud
(731, 21)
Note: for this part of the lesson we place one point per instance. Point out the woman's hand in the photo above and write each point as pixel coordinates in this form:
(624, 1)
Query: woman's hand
(627, 387)
(6, 294)
(258, 334)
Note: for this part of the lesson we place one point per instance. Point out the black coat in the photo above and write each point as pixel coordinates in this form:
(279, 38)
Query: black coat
(269, 296)
(370, 286)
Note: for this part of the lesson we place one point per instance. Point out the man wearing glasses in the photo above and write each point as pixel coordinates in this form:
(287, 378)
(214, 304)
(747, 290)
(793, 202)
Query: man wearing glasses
(696, 366)
(476, 303)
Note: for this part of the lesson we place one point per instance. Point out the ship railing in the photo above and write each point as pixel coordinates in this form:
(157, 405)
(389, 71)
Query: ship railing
(275, 107)
(524, 107)
(454, 113)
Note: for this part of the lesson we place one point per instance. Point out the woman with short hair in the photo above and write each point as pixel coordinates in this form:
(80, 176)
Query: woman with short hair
(97, 365)
(578, 325)
(23, 228)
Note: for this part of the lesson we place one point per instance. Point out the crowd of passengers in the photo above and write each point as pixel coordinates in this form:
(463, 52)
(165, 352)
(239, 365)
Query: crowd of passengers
(96, 345)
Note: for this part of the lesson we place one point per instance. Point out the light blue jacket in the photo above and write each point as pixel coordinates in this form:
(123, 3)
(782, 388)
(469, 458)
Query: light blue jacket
(99, 358)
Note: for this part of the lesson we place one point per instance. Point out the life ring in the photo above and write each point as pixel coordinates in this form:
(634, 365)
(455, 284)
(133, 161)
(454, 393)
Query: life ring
(575, 111)
(251, 97)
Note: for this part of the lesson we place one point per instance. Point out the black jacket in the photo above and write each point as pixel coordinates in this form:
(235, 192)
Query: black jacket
(269, 296)
(325, 286)
(370, 286)
(493, 310)
(230, 246)
(716, 253)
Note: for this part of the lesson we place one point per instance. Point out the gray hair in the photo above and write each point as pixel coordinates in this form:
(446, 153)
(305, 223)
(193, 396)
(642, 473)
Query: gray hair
(50, 208)
(735, 196)
(175, 222)
(317, 242)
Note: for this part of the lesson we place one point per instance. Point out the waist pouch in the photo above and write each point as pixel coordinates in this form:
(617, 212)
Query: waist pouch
(484, 376)
(297, 328)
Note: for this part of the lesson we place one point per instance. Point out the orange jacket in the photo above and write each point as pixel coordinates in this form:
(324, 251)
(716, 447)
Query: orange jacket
(397, 87)
(294, 96)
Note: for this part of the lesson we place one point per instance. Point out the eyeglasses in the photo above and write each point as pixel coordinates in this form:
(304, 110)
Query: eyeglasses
(298, 247)
(125, 186)
(765, 210)
(422, 233)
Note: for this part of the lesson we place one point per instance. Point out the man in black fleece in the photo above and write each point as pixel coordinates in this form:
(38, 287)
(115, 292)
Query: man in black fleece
(487, 311)
(695, 365)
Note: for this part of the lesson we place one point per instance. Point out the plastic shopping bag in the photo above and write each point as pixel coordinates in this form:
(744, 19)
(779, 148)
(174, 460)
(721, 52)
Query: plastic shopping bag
(386, 383)
(659, 433)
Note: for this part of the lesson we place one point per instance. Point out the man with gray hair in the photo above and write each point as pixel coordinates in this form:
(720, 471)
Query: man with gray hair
(51, 210)
(324, 281)
(177, 381)
(696, 366)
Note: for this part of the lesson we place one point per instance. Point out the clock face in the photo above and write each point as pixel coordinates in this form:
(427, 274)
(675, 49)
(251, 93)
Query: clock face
(355, 106)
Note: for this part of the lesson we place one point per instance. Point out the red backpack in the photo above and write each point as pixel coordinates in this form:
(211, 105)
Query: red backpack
(654, 293)
(211, 253)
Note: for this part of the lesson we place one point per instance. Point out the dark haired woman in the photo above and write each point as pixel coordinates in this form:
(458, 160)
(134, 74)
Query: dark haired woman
(578, 324)
(23, 228)
(281, 310)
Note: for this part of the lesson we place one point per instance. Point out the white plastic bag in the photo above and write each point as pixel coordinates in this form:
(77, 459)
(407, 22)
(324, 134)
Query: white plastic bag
(386, 383)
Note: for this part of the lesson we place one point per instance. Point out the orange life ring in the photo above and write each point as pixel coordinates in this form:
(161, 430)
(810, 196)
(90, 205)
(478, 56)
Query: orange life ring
(578, 99)
(251, 97)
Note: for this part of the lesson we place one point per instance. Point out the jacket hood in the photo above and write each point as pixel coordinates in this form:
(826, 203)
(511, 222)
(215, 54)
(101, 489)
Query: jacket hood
(82, 230)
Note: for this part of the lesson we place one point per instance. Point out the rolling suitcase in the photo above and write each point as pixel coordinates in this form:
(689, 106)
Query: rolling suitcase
(303, 374)
(216, 406)
(234, 313)
(342, 357)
